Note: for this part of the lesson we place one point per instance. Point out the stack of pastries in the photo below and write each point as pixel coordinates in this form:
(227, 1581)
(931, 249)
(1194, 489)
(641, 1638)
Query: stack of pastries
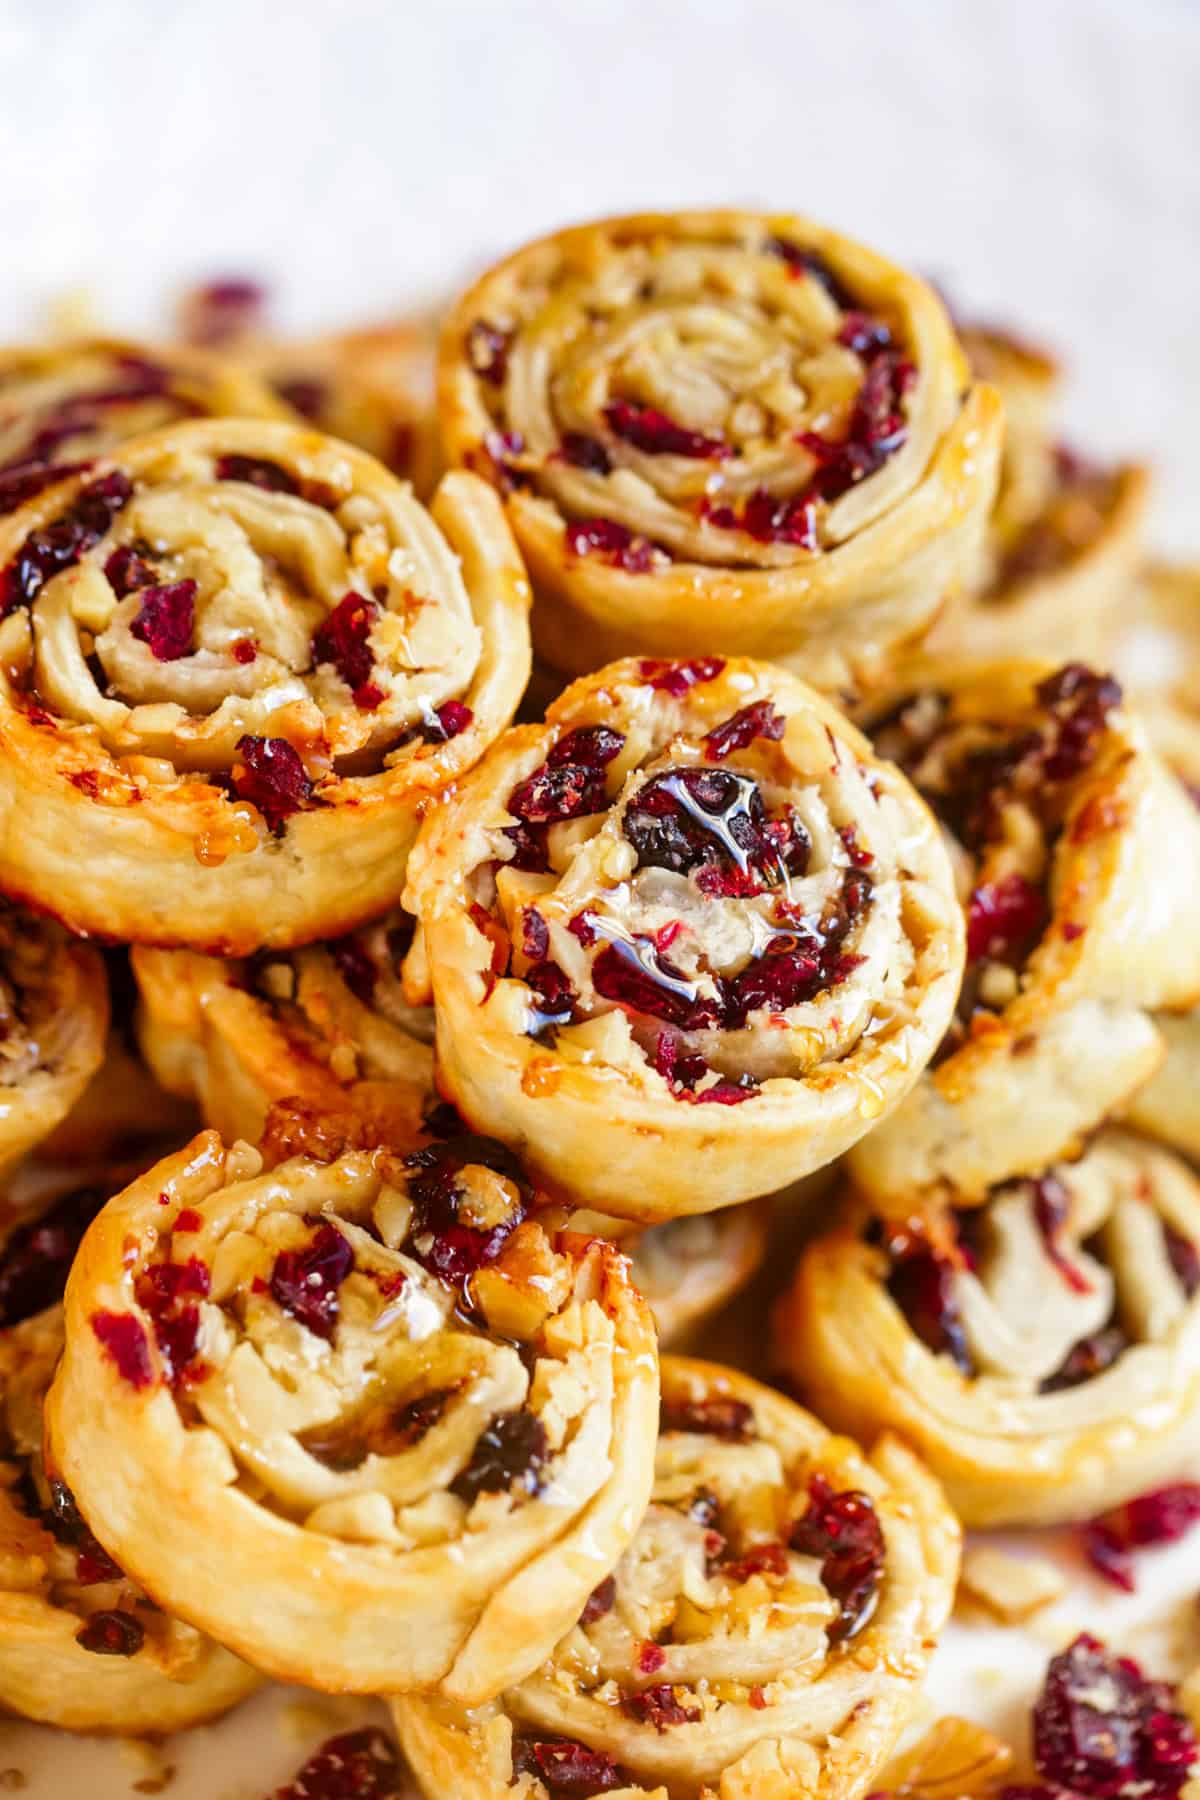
(396, 1094)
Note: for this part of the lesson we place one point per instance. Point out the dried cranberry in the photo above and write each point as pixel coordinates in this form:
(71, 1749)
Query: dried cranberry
(1003, 917)
(569, 1770)
(656, 434)
(357, 1765)
(843, 1529)
(122, 1338)
(306, 393)
(1160, 1517)
(779, 979)
(37, 1258)
(556, 998)
(571, 781)
(487, 350)
(127, 570)
(876, 430)
(1088, 1358)
(808, 262)
(921, 1282)
(225, 309)
(600, 1601)
(451, 1249)
(258, 472)
(761, 1559)
(513, 1448)
(1051, 1209)
(535, 934)
(67, 1525)
(448, 721)
(1100, 1728)
(767, 519)
(661, 1707)
(355, 966)
(760, 720)
(271, 777)
(59, 545)
(305, 1282)
(113, 1633)
(26, 480)
(615, 542)
(678, 678)
(1184, 1257)
(1081, 701)
(864, 334)
(732, 1421)
(635, 975)
(343, 639)
(411, 1423)
(685, 818)
(584, 452)
(165, 619)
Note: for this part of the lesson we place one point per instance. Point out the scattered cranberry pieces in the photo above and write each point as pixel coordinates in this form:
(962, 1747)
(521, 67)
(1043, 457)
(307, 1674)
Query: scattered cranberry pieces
(615, 542)
(258, 472)
(844, 1530)
(661, 1707)
(225, 309)
(63, 1519)
(26, 480)
(451, 1249)
(1102, 1729)
(36, 1260)
(731, 1421)
(305, 1282)
(188, 1220)
(600, 1601)
(411, 1423)
(571, 781)
(877, 426)
(127, 570)
(808, 262)
(791, 520)
(1003, 917)
(343, 639)
(165, 619)
(584, 452)
(654, 432)
(355, 966)
(921, 1282)
(678, 678)
(688, 818)
(556, 998)
(113, 1633)
(1160, 1517)
(513, 1449)
(59, 545)
(759, 720)
(650, 1658)
(535, 934)
(244, 650)
(1051, 1209)
(487, 350)
(634, 975)
(122, 1338)
(271, 776)
(1184, 1257)
(1086, 1359)
(568, 1769)
(357, 1765)
(448, 721)
(1081, 701)
(761, 1559)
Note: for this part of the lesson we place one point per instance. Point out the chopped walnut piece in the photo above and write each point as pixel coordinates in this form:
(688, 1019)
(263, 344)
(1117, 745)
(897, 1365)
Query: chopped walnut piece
(1010, 1587)
(954, 1760)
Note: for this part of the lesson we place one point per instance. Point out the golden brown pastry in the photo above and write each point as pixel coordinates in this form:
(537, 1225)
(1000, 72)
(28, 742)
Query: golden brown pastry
(379, 1420)
(1041, 1352)
(1057, 813)
(724, 432)
(235, 660)
(765, 1635)
(1028, 381)
(63, 405)
(687, 941)
(81, 1645)
(53, 1022)
(688, 1268)
(327, 1026)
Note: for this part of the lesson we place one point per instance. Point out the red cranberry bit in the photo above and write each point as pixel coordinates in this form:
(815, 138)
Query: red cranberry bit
(535, 935)
(844, 1530)
(654, 432)
(1184, 1258)
(59, 545)
(36, 1260)
(357, 1765)
(761, 1559)
(731, 1421)
(513, 1449)
(921, 1282)
(678, 678)
(650, 1658)
(165, 620)
(455, 1251)
(1081, 701)
(487, 350)
(1160, 1517)
(271, 776)
(342, 638)
(615, 542)
(760, 720)
(1088, 1358)
(569, 1770)
(27, 480)
(244, 650)
(188, 1220)
(584, 452)
(447, 721)
(685, 819)
(223, 310)
(111, 1634)
(258, 472)
(634, 975)
(1101, 1728)
(555, 999)
(411, 1423)
(571, 782)
(1051, 1209)
(122, 1338)
(305, 393)
(661, 1707)
(1004, 917)
(877, 426)
(792, 520)
(808, 262)
(600, 1602)
(356, 967)
(305, 1282)
(165, 1291)
(67, 1525)
(127, 570)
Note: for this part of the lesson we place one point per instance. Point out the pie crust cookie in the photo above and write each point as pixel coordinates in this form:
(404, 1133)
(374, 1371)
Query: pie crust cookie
(687, 941)
(1057, 813)
(1041, 1353)
(765, 1635)
(81, 1646)
(53, 1023)
(378, 1421)
(326, 1026)
(726, 432)
(236, 659)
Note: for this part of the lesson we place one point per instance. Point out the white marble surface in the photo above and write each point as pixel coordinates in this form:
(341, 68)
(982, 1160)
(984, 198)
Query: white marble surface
(1041, 156)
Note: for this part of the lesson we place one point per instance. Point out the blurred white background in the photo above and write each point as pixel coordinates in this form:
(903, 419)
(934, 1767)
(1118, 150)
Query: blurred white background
(1041, 156)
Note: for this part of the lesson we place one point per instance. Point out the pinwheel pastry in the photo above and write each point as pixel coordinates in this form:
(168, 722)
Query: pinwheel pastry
(1057, 813)
(53, 1021)
(722, 431)
(1027, 380)
(687, 941)
(765, 1635)
(236, 659)
(1041, 1352)
(327, 1026)
(81, 1645)
(64, 405)
(687, 1269)
(379, 1421)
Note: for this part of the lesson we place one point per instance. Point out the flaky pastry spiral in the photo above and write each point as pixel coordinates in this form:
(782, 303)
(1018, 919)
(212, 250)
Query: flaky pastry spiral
(379, 1422)
(723, 432)
(765, 1636)
(1057, 813)
(687, 941)
(235, 660)
(53, 1022)
(1041, 1353)
(687, 1268)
